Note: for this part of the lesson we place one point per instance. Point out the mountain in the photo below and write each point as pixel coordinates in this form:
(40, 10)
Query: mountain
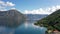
(52, 21)
(11, 18)
(35, 16)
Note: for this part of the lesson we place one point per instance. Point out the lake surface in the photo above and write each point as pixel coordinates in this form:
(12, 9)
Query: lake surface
(29, 28)
(26, 28)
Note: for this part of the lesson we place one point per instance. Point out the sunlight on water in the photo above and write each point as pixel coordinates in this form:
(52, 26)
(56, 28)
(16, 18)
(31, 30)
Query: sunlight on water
(30, 28)
(42, 28)
(35, 27)
(38, 27)
(26, 24)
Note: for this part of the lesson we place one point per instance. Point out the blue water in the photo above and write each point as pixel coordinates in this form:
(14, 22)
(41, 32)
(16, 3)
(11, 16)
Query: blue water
(29, 28)
(26, 28)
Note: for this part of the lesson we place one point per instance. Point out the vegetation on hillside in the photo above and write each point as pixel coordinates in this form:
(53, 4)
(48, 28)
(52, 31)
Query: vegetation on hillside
(51, 22)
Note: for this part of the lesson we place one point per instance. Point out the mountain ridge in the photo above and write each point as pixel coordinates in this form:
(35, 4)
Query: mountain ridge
(11, 18)
(35, 16)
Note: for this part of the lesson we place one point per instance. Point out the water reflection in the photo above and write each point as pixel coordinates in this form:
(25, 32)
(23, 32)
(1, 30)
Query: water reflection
(26, 28)
(30, 28)
(26, 24)
(6, 30)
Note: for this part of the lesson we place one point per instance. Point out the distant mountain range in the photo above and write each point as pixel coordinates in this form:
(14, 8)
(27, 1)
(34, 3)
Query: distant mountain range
(35, 16)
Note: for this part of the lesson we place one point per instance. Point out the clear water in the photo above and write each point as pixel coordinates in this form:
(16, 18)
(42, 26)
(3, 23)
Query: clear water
(26, 28)
(29, 28)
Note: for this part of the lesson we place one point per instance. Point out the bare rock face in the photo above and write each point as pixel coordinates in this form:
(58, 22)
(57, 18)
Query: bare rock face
(11, 18)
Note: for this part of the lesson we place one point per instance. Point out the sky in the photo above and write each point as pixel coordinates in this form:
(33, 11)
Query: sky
(31, 6)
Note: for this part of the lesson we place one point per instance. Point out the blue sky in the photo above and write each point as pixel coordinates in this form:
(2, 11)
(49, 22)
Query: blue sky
(33, 4)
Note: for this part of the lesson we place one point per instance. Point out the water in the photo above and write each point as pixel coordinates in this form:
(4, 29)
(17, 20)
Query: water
(6, 30)
(29, 28)
(26, 28)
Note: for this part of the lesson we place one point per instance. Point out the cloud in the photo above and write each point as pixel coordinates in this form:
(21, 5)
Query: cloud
(10, 4)
(4, 5)
(47, 10)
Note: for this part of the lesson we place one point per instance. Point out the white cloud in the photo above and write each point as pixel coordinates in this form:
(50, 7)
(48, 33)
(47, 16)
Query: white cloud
(10, 4)
(4, 5)
(2, 2)
(48, 10)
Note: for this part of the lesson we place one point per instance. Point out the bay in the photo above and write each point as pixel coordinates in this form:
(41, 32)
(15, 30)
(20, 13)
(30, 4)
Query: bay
(30, 28)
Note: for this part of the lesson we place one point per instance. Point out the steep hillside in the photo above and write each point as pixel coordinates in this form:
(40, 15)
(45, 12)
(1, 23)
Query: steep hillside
(11, 18)
(51, 22)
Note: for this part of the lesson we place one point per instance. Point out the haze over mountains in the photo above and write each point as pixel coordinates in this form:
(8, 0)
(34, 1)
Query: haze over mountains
(35, 16)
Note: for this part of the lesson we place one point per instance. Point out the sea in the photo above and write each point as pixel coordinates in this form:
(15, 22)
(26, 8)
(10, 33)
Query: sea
(27, 27)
